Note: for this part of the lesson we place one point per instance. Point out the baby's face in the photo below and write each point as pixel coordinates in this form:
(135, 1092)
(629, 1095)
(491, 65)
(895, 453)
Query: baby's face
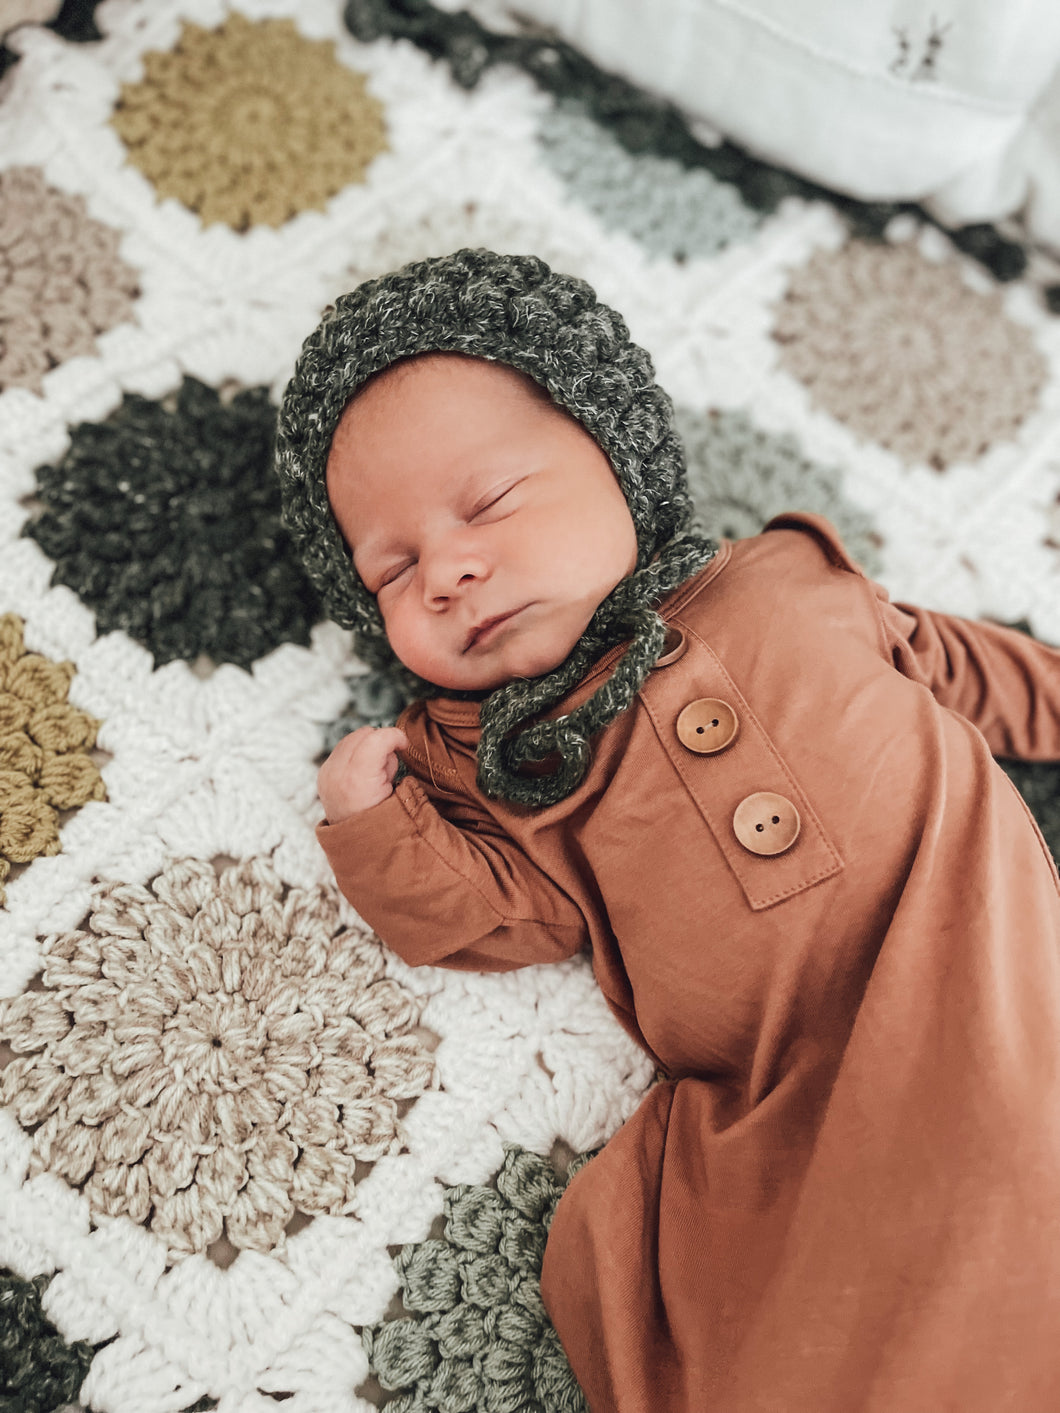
(488, 524)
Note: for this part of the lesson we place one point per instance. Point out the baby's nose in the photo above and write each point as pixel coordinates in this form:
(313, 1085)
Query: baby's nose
(446, 575)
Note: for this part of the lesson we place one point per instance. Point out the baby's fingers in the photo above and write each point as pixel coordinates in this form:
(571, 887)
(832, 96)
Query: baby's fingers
(372, 743)
(390, 738)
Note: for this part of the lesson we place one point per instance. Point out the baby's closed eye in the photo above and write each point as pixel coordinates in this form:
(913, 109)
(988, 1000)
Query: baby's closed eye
(495, 501)
(395, 573)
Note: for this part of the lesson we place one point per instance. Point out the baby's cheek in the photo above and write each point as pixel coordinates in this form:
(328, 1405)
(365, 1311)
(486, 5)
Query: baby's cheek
(414, 644)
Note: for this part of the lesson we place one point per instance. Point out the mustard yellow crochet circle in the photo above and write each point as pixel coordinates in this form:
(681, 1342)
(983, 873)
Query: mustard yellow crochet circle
(250, 123)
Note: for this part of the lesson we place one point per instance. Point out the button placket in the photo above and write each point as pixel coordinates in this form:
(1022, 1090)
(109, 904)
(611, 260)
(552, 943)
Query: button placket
(739, 775)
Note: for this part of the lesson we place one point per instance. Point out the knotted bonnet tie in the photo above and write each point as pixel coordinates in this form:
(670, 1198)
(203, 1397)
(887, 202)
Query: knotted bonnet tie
(511, 309)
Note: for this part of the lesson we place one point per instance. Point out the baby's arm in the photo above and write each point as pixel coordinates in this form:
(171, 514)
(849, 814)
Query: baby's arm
(1003, 681)
(453, 891)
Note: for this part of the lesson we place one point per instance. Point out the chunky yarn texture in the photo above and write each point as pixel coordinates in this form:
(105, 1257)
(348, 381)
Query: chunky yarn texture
(165, 519)
(62, 281)
(478, 1335)
(211, 1053)
(38, 1369)
(876, 332)
(249, 123)
(44, 744)
(512, 309)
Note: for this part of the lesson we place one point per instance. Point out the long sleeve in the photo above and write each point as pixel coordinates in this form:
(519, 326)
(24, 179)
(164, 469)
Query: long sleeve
(448, 893)
(1003, 681)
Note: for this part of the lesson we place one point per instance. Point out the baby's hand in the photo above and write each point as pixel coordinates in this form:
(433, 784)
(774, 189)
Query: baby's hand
(360, 771)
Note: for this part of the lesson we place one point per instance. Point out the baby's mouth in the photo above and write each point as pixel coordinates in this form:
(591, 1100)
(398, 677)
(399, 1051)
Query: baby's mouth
(482, 631)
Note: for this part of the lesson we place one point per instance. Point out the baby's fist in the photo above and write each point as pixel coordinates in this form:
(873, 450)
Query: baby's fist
(360, 771)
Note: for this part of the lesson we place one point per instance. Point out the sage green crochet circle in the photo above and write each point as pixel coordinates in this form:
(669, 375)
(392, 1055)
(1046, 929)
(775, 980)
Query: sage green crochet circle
(669, 209)
(478, 1336)
(740, 476)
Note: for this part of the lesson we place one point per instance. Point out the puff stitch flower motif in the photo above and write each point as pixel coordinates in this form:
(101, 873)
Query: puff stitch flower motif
(62, 281)
(902, 350)
(166, 521)
(211, 1053)
(249, 123)
(44, 744)
(671, 210)
(740, 477)
(479, 1336)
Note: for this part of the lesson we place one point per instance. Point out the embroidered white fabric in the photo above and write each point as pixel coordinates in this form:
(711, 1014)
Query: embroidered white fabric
(955, 105)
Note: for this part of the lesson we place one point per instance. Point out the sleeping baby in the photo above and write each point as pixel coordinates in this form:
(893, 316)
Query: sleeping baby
(760, 795)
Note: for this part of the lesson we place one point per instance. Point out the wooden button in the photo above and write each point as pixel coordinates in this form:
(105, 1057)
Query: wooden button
(766, 823)
(707, 725)
(675, 645)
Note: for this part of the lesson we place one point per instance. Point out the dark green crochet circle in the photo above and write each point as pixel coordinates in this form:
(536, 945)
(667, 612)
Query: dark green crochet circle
(167, 524)
(479, 1337)
(1039, 784)
(39, 1371)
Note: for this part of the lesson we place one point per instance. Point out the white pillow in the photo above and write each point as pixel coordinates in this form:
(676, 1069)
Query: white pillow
(955, 103)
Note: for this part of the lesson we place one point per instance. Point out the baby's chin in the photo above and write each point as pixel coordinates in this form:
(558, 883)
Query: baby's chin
(488, 674)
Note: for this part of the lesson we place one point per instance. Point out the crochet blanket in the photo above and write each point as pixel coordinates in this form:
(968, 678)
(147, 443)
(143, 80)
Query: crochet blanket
(247, 1157)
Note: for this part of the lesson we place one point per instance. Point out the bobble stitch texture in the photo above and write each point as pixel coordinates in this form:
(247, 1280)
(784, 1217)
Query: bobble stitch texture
(210, 124)
(167, 524)
(38, 1369)
(906, 354)
(479, 1337)
(515, 310)
(62, 281)
(44, 745)
(212, 1053)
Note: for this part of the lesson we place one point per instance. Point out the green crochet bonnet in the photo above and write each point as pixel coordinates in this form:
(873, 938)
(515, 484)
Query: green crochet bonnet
(512, 309)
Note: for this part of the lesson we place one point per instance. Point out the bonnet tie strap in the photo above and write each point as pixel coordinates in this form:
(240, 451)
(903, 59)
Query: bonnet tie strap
(626, 613)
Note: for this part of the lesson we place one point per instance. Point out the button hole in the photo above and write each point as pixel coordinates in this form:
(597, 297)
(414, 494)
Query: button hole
(714, 722)
(700, 730)
(776, 819)
(759, 827)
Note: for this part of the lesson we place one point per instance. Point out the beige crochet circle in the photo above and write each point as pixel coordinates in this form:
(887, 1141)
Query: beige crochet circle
(62, 281)
(211, 1053)
(906, 354)
(249, 123)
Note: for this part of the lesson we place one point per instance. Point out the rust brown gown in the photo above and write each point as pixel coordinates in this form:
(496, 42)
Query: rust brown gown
(846, 1196)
